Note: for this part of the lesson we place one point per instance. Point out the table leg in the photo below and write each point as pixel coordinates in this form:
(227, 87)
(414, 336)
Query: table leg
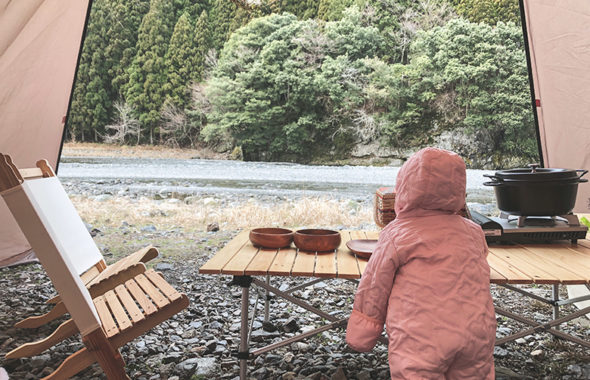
(267, 301)
(244, 351)
(244, 345)
(555, 298)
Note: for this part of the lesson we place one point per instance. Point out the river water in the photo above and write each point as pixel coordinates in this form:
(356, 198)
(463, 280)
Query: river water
(220, 177)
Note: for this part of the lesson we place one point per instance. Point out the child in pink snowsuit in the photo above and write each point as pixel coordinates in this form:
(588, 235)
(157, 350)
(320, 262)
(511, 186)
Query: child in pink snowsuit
(428, 279)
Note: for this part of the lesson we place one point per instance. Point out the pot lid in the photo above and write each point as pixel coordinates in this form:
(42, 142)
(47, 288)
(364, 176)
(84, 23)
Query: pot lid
(534, 173)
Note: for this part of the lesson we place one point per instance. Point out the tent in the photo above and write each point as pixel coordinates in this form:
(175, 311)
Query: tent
(40, 42)
(558, 40)
(39, 45)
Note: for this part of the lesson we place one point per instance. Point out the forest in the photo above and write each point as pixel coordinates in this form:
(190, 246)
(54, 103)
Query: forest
(307, 80)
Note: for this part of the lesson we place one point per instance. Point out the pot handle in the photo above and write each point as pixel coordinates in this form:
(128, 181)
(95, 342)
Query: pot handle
(494, 178)
(584, 171)
(494, 183)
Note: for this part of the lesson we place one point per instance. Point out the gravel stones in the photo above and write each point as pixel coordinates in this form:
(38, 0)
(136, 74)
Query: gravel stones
(162, 267)
(203, 340)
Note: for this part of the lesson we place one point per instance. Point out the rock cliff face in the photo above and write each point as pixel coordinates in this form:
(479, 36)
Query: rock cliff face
(373, 150)
(475, 150)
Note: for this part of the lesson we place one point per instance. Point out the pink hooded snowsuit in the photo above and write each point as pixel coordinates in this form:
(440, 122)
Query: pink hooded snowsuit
(428, 279)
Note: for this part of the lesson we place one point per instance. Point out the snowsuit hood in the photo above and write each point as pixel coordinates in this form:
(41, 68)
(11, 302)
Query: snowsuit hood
(431, 180)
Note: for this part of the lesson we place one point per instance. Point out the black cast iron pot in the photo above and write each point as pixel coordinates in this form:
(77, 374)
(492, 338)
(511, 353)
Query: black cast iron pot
(536, 191)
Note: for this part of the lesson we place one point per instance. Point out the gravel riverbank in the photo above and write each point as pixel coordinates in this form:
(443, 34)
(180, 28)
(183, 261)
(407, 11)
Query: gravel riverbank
(201, 342)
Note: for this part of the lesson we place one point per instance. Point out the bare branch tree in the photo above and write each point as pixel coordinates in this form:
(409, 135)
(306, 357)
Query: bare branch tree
(125, 125)
(200, 102)
(210, 63)
(365, 127)
(174, 125)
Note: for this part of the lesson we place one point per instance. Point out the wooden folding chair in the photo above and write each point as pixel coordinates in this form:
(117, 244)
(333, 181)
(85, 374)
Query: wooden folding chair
(56, 233)
(89, 263)
(94, 272)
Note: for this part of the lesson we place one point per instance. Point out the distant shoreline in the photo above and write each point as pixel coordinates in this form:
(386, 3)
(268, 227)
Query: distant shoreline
(84, 149)
(75, 149)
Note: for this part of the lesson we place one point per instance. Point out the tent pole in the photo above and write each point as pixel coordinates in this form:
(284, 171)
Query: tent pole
(527, 47)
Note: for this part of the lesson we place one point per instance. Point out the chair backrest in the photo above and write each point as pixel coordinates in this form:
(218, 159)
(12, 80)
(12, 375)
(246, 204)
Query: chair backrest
(82, 250)
(64, 220)
(60, 240)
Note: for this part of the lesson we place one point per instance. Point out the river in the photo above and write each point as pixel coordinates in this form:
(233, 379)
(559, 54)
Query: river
(199, 177)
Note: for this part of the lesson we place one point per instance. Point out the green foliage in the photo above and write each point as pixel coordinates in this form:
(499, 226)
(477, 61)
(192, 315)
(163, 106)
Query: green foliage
(352, 37)
(202, 43)
(147, 74)
(280, 94)
(303, 9)
(399, 102)
(90, 97)
(399, 20)
(122, 37)
(489, 11)
(179, 59)
(222, 14)
(304, 80)
(332, 10)
(472, 76)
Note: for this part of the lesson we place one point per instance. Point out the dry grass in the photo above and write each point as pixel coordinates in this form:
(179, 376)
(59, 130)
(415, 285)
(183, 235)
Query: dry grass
(167, 215)
(144, 151)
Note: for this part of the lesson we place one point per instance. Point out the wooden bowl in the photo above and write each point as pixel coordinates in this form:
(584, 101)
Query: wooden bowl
(317, 240)
(271, 237)
(363, 248)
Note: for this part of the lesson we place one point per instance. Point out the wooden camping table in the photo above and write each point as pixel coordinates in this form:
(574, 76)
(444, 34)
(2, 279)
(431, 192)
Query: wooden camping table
(554, 264)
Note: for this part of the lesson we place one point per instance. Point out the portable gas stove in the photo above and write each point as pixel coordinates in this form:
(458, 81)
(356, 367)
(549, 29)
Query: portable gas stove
(530, 229)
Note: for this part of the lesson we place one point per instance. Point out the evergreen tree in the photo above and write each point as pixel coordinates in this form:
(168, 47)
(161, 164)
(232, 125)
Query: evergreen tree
(147, 74)
(179, 62)
(202, 42)
(122, 36)
(293, 6)
(88, 113)
(310, 9)
(241, 17)
(222, 14)
(195, 10)
(303, 9)
(324, 9)
(274, 6)
(398, 21)
(488, 11)
(331, 10)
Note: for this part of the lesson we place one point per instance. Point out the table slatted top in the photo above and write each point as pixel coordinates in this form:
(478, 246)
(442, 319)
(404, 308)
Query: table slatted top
(558, 263)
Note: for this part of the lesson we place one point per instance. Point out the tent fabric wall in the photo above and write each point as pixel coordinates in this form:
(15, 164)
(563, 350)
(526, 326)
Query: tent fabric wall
(39, 45)
(559, 46)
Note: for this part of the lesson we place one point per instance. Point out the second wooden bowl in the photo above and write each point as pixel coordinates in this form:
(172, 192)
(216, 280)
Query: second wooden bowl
(271, 237)
(317, 240)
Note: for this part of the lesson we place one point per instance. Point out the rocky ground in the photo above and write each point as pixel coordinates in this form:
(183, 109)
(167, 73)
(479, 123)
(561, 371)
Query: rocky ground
(201, 341)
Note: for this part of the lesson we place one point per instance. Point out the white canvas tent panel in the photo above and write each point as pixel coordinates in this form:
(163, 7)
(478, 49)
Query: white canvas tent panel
(559, 46)
(39, 45)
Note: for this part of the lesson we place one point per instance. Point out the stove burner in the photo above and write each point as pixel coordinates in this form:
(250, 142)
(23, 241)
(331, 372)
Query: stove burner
(511, 229)
(541, 221)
